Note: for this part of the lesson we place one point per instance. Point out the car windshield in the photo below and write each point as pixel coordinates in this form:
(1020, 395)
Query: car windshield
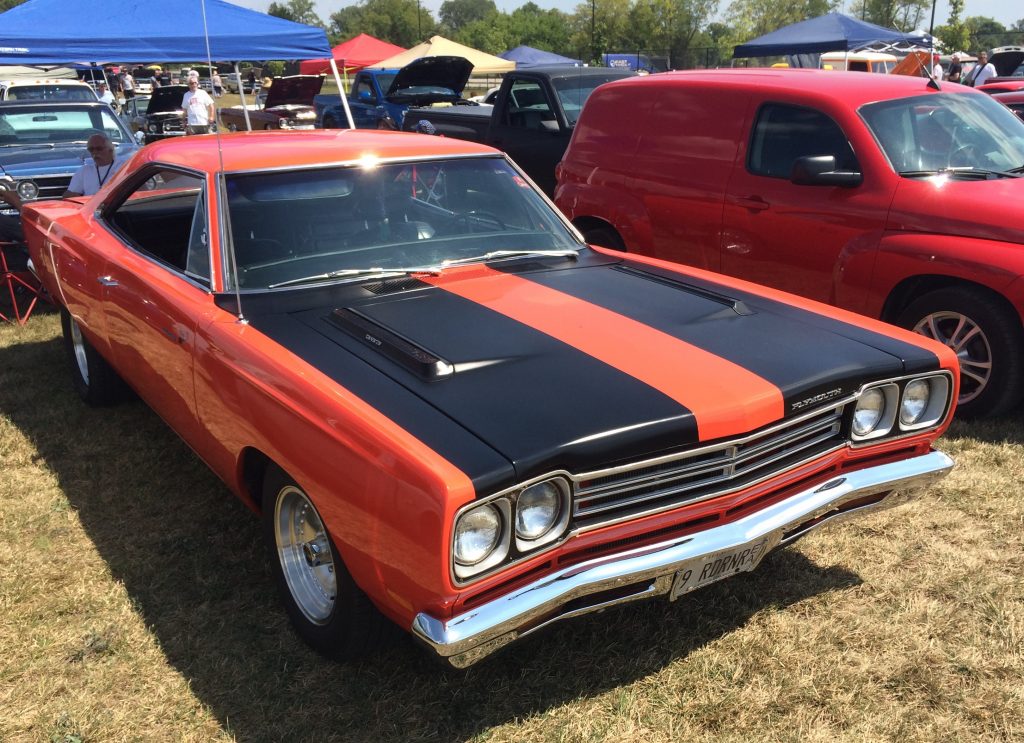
(299, 226)
(56, 125)
(50, 92)
(947, 130)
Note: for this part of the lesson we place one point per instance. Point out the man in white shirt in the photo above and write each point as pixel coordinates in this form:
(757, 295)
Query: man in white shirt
(198, 107)
(105, 95)
(92, 175)
(982, 71)
(128, 83)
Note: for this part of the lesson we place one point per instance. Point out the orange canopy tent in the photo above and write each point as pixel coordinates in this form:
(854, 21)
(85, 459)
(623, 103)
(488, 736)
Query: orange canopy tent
(356, 53)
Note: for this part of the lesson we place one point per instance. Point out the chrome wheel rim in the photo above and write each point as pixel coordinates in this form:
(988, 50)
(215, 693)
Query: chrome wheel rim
(304, 550)
(970, 345)
(78, 345)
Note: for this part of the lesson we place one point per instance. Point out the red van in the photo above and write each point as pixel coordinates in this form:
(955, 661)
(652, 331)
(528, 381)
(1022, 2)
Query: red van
(886, 195)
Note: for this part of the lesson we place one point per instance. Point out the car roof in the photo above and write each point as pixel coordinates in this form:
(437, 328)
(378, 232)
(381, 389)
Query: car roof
(848, 88)
(276, 149)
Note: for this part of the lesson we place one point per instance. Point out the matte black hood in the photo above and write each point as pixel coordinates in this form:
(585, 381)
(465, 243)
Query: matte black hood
(645, 365)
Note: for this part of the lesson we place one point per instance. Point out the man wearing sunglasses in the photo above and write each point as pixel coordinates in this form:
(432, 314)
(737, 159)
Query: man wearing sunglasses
(93, 174)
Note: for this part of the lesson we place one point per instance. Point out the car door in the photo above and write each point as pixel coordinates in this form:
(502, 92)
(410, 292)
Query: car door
(798, 237)
(530, 132)
(156, 287)
(366, 106)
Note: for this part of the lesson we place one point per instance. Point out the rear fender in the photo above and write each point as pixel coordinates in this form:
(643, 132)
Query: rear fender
(613, 205)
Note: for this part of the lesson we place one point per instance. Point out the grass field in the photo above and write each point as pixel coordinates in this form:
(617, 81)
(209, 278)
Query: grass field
(135, 606)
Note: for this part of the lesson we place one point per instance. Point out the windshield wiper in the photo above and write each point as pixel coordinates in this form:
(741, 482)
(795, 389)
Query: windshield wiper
(964, 170)
(353, 272)
(1016, 170)
(498, 254)
(425, 270)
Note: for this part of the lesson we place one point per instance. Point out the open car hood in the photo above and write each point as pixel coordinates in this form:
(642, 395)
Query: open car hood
(298, 89)
(166, 99)
(1006, 63)
(430, 79)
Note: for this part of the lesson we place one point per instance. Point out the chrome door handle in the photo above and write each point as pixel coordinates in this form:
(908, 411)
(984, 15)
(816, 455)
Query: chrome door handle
(108, 281)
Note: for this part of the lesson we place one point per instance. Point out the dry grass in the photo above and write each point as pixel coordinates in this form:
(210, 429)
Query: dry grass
(135, 605)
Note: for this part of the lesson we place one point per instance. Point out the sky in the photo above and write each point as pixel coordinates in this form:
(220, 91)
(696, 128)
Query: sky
(1006, 12)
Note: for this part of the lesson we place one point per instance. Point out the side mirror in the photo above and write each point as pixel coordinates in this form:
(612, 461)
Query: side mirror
(365, 96)
(820, 170)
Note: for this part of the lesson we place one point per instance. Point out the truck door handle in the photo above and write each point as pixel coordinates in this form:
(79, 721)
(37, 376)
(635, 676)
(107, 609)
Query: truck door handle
(753, 203)
(108, 281)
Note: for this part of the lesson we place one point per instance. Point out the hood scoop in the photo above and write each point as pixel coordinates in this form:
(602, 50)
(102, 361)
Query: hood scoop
(402, 351)
(736, 305)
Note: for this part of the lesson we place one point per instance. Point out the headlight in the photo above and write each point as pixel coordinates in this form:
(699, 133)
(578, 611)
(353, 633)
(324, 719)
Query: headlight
(868, 412)
(477, 533)
(153, 128)
(5, 185)
(538, 509)
(27, 190)
(282, 123)
(915, 402)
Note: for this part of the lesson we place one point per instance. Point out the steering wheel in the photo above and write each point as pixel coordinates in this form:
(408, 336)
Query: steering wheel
(481, 216)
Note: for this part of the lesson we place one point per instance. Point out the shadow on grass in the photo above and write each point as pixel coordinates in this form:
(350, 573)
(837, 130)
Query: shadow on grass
(189, 555)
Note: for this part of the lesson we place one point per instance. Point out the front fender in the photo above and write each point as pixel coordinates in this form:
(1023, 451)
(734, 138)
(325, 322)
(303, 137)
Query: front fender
(901, 257)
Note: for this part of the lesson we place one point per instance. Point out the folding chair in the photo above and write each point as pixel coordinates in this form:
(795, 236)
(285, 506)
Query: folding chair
(17, 283)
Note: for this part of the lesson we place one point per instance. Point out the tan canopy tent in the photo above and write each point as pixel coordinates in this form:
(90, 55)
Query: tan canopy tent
(438, 46)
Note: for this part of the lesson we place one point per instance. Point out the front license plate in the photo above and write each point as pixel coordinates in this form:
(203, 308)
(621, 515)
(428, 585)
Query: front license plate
(707, 570)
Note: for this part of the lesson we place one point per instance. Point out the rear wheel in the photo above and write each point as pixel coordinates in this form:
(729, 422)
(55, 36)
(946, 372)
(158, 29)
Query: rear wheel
(94, 379)
(987, 338)
(324, 604)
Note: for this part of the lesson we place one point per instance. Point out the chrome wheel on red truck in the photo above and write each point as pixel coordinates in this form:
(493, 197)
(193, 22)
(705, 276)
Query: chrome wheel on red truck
(987, 338)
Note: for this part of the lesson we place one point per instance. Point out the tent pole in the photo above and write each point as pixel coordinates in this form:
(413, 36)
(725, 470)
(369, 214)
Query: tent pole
(241, 94)
(341, 94)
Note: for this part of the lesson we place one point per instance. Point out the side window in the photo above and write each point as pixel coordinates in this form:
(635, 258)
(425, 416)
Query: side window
(529, 107)
(165, 218)
(365, 92)
(784, 133)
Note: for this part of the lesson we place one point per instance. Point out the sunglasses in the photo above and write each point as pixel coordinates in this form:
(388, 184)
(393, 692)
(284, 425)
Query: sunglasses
(101, 148)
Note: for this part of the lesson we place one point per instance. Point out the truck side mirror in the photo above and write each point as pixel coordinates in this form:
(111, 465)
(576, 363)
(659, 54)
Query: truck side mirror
(365, 96)
(820, 170)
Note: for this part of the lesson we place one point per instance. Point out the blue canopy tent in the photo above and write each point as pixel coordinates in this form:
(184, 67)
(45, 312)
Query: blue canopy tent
(56, 31)
(527, 56)
(828, 33)
(60, 31)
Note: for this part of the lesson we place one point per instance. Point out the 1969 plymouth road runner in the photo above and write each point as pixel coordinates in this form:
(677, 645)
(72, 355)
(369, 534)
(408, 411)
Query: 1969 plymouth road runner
(451, 411)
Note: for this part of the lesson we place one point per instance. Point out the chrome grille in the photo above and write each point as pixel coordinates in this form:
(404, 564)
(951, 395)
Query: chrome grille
(668, 482)
(52, 186)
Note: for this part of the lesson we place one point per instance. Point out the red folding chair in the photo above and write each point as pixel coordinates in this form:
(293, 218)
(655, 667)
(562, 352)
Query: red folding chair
(18, 284)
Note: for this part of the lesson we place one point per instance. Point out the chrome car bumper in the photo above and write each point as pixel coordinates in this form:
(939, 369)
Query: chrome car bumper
(651, 571)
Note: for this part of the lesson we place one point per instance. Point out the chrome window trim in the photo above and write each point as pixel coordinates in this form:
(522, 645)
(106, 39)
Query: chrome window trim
(106, 208)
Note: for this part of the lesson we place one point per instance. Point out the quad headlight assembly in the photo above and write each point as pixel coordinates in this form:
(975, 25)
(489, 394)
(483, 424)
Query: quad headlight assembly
(898, 407)
(510, 526)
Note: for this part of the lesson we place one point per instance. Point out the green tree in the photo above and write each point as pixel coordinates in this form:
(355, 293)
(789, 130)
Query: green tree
(753, 18)
(954, 35)
(985, 32)
(300, 11)
(8, 4)
(401, 22)
(541, 29)
(456, 14)
(904, 15)
(600, 26)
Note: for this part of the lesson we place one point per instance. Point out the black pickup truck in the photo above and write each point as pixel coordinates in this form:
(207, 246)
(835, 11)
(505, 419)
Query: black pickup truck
(532, 118)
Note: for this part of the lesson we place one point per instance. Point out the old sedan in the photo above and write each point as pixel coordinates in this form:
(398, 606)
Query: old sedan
(451, 411)
(287, 104)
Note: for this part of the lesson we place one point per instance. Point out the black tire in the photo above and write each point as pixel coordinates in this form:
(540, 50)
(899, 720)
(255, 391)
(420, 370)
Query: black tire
(340, 627)
(991, 359)
(605, 236)
(232, 127)
(93, 378)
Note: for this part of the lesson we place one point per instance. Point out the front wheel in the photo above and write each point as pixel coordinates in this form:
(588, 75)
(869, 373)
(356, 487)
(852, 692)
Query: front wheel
(324, 604)
(94, 379)
(987, 338)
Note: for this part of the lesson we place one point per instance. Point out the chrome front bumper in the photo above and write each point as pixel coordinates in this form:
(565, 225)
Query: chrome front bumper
(650, 571)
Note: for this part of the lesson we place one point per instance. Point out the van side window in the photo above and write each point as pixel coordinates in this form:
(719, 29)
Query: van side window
(784, 133)
(528, 106)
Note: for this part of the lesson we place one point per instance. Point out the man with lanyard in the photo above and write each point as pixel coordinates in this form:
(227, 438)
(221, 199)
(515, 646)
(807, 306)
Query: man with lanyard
(92, 175)
(198, 107)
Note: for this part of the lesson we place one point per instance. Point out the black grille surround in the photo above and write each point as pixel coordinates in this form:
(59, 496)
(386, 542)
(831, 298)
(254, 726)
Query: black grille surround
(628, 492)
